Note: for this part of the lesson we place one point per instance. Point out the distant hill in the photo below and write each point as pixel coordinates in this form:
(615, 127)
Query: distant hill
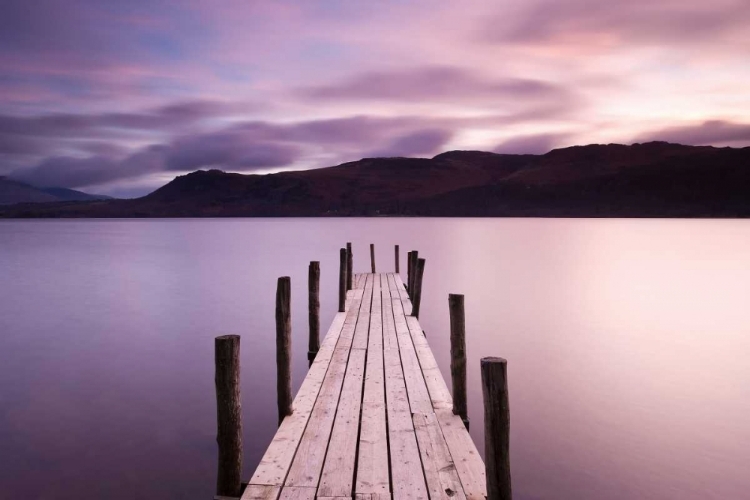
(12, 192)
(643, 180)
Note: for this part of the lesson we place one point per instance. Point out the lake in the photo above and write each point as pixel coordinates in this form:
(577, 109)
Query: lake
(627, 344)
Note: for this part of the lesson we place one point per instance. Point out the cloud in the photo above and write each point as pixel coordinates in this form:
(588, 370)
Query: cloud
(430, 83)
(713, 132)
(584, 22)
(419, 143)
(532, 144)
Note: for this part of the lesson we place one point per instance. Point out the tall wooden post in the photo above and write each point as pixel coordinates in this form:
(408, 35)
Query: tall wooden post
(409, 271)
(313, 306)
(458, 356)
(496, 428)
(397, 269)
(417, 300)
(372, 257)
(284, 347)
(343, 261)
(228, 415)
(349, 266)
(412, 281)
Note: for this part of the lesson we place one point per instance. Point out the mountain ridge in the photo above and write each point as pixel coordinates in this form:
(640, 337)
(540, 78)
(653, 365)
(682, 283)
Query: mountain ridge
(655, 179)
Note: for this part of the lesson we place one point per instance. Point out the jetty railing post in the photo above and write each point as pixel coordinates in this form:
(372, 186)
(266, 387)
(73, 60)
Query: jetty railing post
(496, 428)
(349, 266)
(228, 415)
(343, 262)
(313, 306)
(458, 356)
(372, 257)
(417, 300)
(283, 347)
(397, 269)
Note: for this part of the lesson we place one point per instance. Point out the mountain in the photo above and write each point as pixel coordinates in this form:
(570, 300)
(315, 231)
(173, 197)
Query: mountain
(17, 192)
(642, 180)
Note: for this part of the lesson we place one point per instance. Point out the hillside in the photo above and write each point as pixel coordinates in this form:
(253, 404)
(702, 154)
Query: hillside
(12, 192)
(642, 180)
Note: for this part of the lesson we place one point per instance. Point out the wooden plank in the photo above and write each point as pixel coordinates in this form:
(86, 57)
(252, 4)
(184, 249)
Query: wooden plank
(466, 458)
(372, 460)
(389, 326)
(260, 492)
(308, 462)
(352, 312)
(338, 470)
(406, 468)
(363, 320)
(297, 493)
(440, 396)
(439, 469)
(373, 496)
(403, 295)
(274, 465)
(419, 397)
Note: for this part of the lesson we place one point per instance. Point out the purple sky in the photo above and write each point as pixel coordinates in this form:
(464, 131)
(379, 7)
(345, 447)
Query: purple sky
(119, 97)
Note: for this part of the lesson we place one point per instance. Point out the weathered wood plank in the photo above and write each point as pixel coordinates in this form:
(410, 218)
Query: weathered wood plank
(438, 390)
(338, 470)
(466, 458)
(297, 493)
(363, 320)
(406, 468)
(258, 492)
(274, 465)
(403, 294)
(372, 460)
(373, 496)
(389, 327)
(439, 469)
(419, 397)
(308, 462)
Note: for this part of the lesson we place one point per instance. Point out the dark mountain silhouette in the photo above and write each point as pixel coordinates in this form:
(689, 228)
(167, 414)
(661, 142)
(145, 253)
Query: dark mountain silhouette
(12, 192)
(643, 180)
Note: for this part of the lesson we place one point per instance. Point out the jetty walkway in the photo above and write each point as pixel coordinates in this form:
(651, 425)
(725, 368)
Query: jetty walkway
(373, 419)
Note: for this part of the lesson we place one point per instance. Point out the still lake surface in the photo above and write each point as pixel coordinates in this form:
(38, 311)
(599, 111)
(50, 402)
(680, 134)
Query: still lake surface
(627, 344)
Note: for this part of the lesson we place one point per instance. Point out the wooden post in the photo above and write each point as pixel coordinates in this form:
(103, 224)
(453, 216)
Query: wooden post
(413, 279)
(228, 415)
(409, 271)
(372, 257)
(349, 266)
(397, 269)
(284, 347)
(313, 306)
(417, 300)
(343, 262)
(458, 356)
(496, 428)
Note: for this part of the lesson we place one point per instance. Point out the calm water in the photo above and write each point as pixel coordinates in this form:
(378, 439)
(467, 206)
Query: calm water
(627, 344)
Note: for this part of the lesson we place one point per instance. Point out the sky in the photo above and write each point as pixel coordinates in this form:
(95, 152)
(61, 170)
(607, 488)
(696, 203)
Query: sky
(118, 98)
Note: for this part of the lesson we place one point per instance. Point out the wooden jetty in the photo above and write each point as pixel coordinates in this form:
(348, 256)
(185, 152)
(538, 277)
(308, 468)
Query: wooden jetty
(374, 419)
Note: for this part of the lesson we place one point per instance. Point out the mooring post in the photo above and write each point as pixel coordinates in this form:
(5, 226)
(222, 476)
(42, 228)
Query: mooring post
(372, 257)
(284, 347)
(397, 270)
(313, 306)
(412, 281)
(496, 428)
(417, 300)
(349, 266)
(228, 415)
(343, 261)
(409, 272)
(458, 356)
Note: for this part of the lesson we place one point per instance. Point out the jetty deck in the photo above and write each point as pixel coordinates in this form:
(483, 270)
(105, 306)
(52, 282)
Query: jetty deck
(373, 418)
